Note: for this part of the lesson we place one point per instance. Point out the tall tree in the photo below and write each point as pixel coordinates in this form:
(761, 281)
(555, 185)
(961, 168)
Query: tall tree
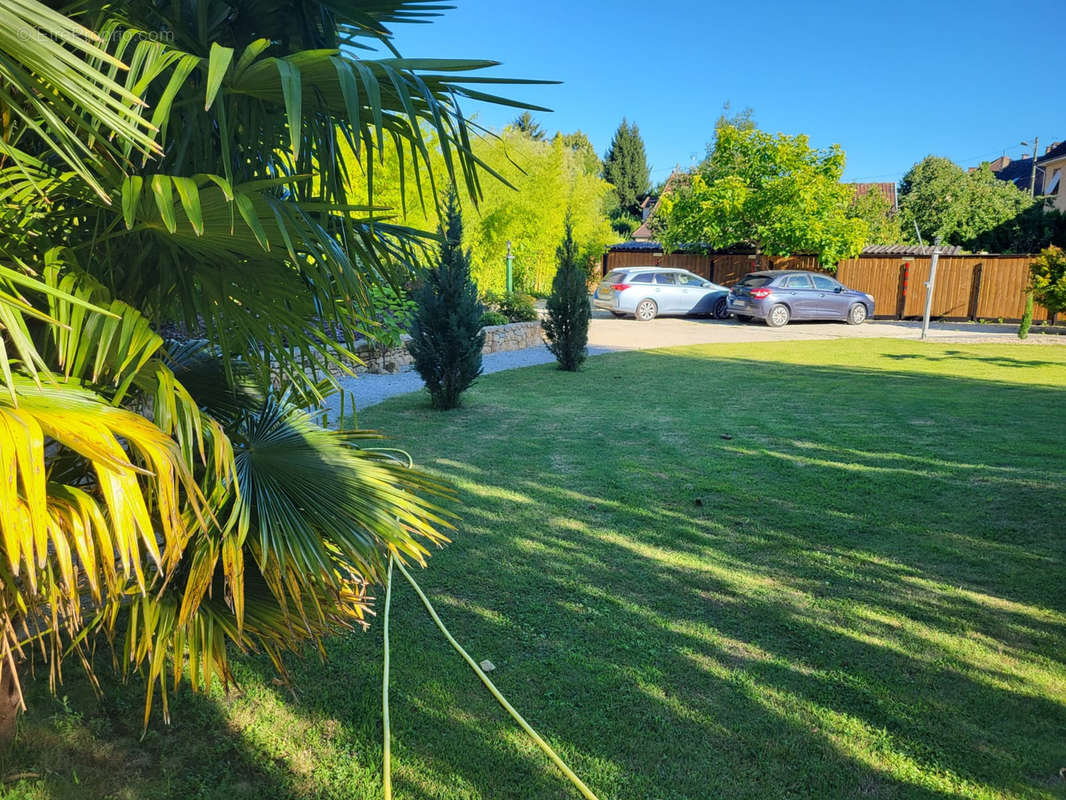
(626, 167)
(525, 123)
(583, 148)
(773, 192)
(961, 207)
(446, 334)
(159, 492)
(743, 120)
(569, 310)
(547, 179)
(882, 221)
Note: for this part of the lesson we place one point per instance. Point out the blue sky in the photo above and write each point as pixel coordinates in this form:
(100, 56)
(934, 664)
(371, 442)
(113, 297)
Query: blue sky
(891, 81)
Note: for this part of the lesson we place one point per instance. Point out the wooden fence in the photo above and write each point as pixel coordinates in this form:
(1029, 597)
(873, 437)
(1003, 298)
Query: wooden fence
(978, 287)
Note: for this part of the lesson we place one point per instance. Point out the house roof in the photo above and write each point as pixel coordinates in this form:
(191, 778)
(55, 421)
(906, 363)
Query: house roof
(1019, 172)
(644, 232)
(909, 250)
(887, 189)
(1056, 151)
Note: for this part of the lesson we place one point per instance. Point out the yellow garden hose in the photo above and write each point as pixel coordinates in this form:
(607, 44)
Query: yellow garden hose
(387, 766)
(585, 791)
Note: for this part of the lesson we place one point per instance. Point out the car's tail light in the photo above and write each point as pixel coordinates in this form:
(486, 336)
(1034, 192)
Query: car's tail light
(760, 294)
(619, 287)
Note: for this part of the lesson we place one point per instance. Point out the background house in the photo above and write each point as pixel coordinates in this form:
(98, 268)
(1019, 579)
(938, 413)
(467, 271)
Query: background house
(1051, 168)
(1050, 173)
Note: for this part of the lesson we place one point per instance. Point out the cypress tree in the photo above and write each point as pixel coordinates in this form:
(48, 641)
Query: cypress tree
(1027, 317)
(626, 167)
(567, 325)
(446, 334)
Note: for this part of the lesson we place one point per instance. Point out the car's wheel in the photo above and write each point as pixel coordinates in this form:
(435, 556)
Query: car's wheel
(742, 317)
(778, 316)
(721, 309)
(857, 314)
(646, 311)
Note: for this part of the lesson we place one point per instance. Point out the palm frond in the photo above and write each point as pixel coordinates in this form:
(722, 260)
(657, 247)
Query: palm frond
(58, 97)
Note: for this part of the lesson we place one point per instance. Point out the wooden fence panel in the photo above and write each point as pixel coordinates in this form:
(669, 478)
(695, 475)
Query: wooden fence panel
(967, 287)
(880, 277)
(728, 269)
(1002, 289)
(953, 293)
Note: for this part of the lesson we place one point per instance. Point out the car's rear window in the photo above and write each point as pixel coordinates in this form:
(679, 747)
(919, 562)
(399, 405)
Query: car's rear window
(797, 282)
(616, 276)
(754, 280)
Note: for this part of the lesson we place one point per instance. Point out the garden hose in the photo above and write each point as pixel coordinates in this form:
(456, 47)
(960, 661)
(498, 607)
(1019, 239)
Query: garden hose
(585, 791)
(387, 764)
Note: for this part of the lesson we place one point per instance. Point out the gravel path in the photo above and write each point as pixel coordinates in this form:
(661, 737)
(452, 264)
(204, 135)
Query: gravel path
(369, 390)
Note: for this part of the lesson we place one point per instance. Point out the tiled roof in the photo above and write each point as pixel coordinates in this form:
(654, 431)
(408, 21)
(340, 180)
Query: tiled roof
(909, 250)
(1019, 173)
(887, 189)
(1056, 151)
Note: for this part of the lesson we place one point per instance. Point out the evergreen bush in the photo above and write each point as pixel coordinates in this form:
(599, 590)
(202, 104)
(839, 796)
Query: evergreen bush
(569, 311)
(446, 335)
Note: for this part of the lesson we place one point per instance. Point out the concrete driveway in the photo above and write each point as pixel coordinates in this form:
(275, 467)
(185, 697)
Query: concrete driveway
(609, 333)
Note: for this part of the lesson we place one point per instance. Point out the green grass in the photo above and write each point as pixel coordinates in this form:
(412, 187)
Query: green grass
(858, 595)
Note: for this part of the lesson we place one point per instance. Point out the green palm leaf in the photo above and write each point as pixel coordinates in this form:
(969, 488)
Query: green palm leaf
(58, 97)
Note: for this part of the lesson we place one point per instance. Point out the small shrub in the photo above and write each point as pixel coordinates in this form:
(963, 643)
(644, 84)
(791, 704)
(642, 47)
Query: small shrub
(493, 318)
(392, 313)
(1027, 317)
(1047, 279)
(446, 334)
(516, 306)
(567, 325)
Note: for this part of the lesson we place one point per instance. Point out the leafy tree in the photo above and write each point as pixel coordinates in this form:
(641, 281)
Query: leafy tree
(626, 167)
(773, 192)
(525, 123)
(446, 334)
(569, 311)
(959, 206)
(582, 146)
(159, 491)
(545, 179)
(1047, 279)
(743, 120)
(882, 222)
(1035, 228)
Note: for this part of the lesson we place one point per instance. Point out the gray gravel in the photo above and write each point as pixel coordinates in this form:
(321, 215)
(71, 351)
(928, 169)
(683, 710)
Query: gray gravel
(369, 390)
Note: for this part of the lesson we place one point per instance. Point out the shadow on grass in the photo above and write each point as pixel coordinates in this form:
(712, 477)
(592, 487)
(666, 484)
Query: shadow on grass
(956, 355)
(77, 747)
(857, 595)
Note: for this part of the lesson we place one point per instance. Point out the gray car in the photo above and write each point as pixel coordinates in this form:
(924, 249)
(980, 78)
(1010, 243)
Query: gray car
(781, 295)
(649, 292)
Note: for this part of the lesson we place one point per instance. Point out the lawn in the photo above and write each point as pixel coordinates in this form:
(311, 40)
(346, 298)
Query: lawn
(797, 570)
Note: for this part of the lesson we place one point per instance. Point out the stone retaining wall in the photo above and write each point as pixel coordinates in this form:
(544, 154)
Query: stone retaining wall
(498, 339)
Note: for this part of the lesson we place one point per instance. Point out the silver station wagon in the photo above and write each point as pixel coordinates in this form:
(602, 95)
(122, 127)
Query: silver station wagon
(648, 292)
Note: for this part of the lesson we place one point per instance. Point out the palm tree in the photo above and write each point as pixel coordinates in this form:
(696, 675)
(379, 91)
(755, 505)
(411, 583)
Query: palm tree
(185, 164)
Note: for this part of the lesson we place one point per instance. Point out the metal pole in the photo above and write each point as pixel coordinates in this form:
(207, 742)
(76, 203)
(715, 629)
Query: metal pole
(510, 268)
(1032, 178)
(929, 286)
